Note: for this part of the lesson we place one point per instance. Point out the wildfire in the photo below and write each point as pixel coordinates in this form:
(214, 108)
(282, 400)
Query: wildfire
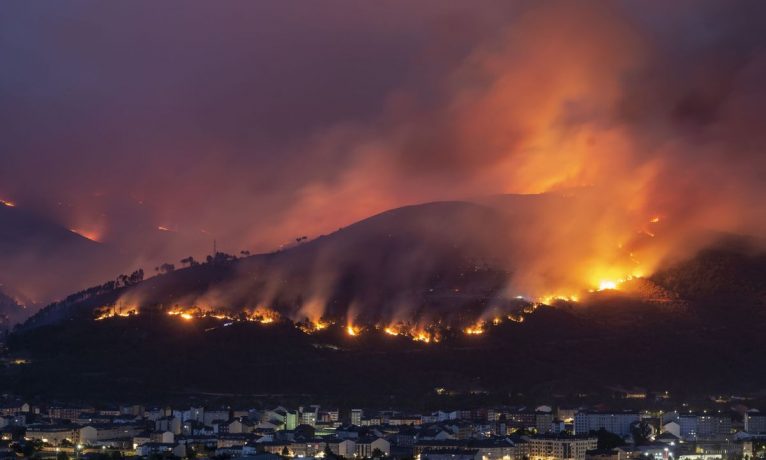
(425, 336)
(548, 299)
(111, 312)
(516, 318)
(418, 333)
(391, 331)
(352, 330)
(475, 329)
(613, 285)
(611, 279)
(309, 326)
(427, 333)
(529, 309)
(262, 315)
(608, 285)
(187, 314)
(7, 203)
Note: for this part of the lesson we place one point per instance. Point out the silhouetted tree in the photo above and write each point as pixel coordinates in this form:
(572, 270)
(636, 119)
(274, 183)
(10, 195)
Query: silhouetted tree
(608, 440)
(220, 258)
(166, 268)
(189, 261)
(136, 277)
(641, 431)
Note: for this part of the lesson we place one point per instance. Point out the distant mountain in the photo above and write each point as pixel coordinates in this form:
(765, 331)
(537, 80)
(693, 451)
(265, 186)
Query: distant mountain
(436, 262)
(41, 259)
(10, 311)
(417, 260)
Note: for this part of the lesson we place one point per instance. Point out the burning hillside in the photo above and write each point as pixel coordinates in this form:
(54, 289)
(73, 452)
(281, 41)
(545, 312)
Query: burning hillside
(421, 272)
(442, 322)
(571, 347)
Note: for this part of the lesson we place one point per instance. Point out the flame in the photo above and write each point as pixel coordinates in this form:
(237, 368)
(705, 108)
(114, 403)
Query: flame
(8, 203)
(309, 326)
(418, 333)
(529, 309)
(111, 312)
(516, 318)
(608, 285)
(391, 331)
(352, 330)
(425, 337)
(654, 220)
(551, 298)
(475, 329)
(163, 229)
(262, 315)
(187, 314)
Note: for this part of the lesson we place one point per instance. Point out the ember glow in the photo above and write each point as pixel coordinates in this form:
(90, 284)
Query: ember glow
(91, 235)
(262, 315)
(353, 330)
(391, 330)
(429, 333)
(111, 312)
(310, 327)
(475, 329)
(425, 333)
(606, 285)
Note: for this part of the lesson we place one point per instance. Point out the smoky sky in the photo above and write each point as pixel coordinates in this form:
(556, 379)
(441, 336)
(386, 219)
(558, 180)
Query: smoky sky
(123, 109)
(252, 123)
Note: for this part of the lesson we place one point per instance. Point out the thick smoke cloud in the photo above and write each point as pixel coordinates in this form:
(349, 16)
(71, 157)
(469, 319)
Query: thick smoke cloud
(252, 123)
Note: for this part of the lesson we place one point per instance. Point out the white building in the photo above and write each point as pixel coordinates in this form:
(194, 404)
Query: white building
(366, 446)
(708, 427)
(755, 422)
(89, 434)
(556, 447)
(356, 417)
(613, 422)
(673, 428)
